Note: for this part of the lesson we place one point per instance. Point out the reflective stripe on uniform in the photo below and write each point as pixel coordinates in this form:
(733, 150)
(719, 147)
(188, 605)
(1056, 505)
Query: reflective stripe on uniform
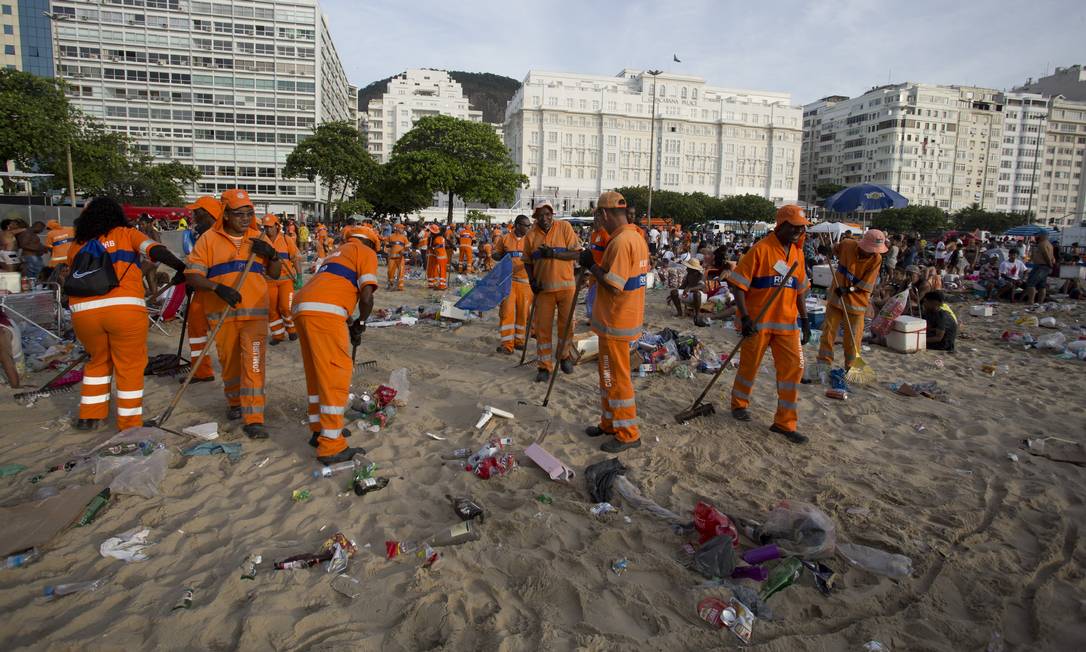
(778, 326)
(198, 340)
(129, 412)
(317, 306)
(105, 303)
(784, 384)
(332, 409)
(736, 392)
(614, 332)
(136, 393)
(313, 398)
(331, 433)
(97, 380)
(788, 405)
(622, 402)
(624, 423)
(91, 400)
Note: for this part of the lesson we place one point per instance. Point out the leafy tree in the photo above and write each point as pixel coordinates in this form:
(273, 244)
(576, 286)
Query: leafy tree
(824, 191)
(475, 215)
(392, 191)
(336, 152)
(100, 157)
(36, 120)
(356, 205)
(915, 218)
(747, 210)
(683, 208)
(459, 158)
(582, 212)
(974, 217)
(638, 197)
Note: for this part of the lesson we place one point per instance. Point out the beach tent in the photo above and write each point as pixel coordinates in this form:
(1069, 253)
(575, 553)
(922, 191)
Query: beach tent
(836, 229)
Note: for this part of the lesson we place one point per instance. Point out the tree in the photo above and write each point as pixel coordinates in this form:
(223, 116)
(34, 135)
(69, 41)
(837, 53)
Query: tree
(474, 216)
(974, 217)
(747, 210)
(582, 212)
(683, 208)
(392, 191)
(636, 196)
(36, 119)
(100, 157)
(336, 152)
(459, 158)
(824, 191)
(919, 219)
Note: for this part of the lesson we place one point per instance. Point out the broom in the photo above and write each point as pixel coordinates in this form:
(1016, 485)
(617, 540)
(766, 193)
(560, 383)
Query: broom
(859, 372)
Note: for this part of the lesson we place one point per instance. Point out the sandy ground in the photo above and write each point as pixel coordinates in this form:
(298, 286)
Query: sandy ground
(996, 544)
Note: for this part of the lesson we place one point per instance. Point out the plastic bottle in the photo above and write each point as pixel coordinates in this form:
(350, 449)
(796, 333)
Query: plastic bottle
(126, 448)
(61, 590)
(356, 463)
(458, 454)
(462, 532)
(782, 576)
(307, 560)
(22, 558)
(363, 486)
(94, 506)
(877, 561)
(492, 448)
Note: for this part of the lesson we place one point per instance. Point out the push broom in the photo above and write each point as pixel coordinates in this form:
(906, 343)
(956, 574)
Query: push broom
(859, 372)
(699, 409)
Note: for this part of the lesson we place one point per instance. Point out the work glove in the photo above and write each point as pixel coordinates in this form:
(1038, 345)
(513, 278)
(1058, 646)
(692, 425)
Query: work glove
(841, 291)
(746, 326)
(535, 285)
(585, 259)
(178, 278)
(806, 327)
(263, 249)
(228, 294)
(545, 251)
(356, 329)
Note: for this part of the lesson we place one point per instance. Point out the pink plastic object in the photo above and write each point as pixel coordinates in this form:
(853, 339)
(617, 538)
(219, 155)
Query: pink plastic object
(549, 463)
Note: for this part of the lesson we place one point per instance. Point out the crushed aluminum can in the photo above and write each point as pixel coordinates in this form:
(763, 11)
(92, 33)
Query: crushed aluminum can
(599, 510)
(248, 567)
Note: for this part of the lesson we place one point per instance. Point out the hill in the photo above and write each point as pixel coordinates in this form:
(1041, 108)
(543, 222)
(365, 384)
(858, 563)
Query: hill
(486, 92)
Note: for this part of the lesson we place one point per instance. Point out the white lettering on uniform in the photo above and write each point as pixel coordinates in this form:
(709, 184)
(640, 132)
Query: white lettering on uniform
(256, 357)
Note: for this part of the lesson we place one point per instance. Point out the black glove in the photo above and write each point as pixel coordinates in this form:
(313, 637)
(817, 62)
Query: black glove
(534, 284)
(263, 249)
(228, 294)
(747, 326)
(356, 329)
(806, 327)
(585, 259)
(545, 251)
(839, 291)
(178, 278)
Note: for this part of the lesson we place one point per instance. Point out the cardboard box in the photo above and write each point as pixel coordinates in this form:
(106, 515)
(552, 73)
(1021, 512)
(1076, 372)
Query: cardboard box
(822, 276)
(981, 311)
(586, 347)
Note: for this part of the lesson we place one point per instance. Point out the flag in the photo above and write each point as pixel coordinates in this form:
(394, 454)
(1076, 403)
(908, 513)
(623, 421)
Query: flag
(492, 289)
(676, 58)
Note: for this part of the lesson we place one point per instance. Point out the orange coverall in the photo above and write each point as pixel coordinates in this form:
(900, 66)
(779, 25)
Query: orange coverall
(437, 263)
(396, 246)
(758, 273)
(58, 241)
(557, 287)
(617, 319)
(281, 290)
(113, 330)
(321, 312)
(513, 313)
(861, 274)
(241, 342)
(467, 240)
(198, 329)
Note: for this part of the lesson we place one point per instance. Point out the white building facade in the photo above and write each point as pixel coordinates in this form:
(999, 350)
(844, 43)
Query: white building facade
(415, 94)
(575, 136)
(227, 87)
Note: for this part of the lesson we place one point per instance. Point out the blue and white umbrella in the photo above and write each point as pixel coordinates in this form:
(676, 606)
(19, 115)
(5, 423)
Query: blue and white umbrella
(1029, 230)
(865, 197)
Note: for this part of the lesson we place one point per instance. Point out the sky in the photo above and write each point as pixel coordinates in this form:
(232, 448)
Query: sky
(810, 49)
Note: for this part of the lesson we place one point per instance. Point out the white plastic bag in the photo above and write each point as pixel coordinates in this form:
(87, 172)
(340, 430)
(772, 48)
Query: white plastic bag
(127, 546)
(398, 381)
(1053, 341)
(137, 475)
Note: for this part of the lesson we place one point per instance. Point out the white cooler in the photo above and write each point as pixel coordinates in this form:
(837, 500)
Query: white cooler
(822, 276)
(981, 311)
(909, 335)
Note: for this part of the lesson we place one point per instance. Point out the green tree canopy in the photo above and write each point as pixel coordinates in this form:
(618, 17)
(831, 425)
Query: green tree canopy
(637, 196)
(974, 217)
(748, 209)
(915, 218)
(35, 117)
(392, 190)
(458, 157)
(336, 152)
(824, 191)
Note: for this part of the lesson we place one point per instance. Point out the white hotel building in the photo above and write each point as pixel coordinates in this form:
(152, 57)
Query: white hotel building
(577, 135)
(229, 87)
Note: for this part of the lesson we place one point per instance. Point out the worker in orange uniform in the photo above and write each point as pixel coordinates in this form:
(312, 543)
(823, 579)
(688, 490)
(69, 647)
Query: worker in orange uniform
(513, 313)
(858, 265)
(597, 244)
(396, 249)
(58, 240)
(323, 314)
(111, 322)
(215, 266)
(758, 272)
(437, 260)
(467, 242)
(617, 319)
(281, 289)
(206, 211)
(351, 229)
(550, 249)
(320, 238)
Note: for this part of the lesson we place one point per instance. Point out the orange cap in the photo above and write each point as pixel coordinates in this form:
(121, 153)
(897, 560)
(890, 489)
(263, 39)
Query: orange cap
(271, 220)
(208, 203)
(365, 233)
(611, 199)
(434, 228)
(236, 198)
(52, 224)
(792, 214)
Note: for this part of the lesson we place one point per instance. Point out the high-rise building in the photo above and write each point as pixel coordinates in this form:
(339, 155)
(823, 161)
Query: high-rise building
(576, 135)
(227, 87)
(1061, 194)
(814, 146)
(414, 94)
(26, 37)
(1070, 82)
(1025, 121)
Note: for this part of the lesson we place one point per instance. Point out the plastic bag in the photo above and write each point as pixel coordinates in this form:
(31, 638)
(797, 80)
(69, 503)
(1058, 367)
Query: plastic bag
(716, 557)
(1054, 341)
(140, 476)
(397, 380)
(877, 561)
(891, 310)
(800, 529)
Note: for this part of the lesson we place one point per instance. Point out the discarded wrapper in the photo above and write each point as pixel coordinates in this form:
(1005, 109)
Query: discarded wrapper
(205, 431)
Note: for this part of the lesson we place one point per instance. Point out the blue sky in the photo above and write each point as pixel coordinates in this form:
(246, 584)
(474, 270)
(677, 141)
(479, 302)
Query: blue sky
(810, 49)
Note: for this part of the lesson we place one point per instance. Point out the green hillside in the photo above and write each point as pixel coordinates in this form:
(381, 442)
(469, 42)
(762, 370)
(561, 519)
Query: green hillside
(486, 92)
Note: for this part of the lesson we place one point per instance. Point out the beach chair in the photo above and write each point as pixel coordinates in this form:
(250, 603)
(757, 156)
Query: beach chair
(169, 308)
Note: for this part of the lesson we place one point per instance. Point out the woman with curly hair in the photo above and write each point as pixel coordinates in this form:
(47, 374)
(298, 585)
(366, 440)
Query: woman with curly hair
(113, 326)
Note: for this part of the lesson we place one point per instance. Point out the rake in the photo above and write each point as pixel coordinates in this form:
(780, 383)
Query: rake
(45, 390)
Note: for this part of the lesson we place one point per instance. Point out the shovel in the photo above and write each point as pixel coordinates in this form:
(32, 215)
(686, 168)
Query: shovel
(699, 409)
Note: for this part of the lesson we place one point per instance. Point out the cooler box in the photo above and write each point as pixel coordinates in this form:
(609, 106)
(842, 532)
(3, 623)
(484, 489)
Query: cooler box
(822, 276)
(11, 281)
(981, 311)
(909, 335)
(1073, 271)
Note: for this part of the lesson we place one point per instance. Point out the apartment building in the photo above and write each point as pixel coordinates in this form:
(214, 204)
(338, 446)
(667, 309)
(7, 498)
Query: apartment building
(1061, 194)
(1070, 82)
(229, 87)
(414, 94)
(575, 135)
(25, 36)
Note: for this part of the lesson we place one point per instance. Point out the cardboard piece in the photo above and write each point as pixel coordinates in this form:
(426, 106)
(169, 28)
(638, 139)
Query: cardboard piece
(586, 347)
(450, 311)
(34, 524)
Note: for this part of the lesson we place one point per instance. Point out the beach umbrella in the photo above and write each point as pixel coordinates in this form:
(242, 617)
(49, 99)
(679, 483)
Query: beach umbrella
(1028, 230)
(865, 197)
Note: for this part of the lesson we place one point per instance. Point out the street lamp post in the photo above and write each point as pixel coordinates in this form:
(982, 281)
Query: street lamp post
(56, 18)
(652, 142)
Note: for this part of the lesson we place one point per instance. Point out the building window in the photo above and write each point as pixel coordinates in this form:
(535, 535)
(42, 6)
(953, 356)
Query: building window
(8, 30)
(7, 10)
(9, 49)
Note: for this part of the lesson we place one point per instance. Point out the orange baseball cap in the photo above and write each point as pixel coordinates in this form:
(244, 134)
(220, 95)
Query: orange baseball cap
(365, 233)
(792, 214)
(208, 203)
(271, 220)
(236, 198)
(611, 199)
(434, 228)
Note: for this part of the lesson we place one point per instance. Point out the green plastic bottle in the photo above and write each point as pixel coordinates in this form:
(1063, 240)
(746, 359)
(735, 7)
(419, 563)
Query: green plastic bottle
(94, 506)
(782, 576)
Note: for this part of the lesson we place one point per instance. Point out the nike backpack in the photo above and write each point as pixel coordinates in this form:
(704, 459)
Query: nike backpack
(92, 273)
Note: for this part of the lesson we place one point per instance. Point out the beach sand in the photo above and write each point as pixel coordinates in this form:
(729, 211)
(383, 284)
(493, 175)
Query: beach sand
(995, 543)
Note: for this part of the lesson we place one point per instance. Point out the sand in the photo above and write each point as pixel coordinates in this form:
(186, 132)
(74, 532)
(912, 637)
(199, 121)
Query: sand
(995, 543)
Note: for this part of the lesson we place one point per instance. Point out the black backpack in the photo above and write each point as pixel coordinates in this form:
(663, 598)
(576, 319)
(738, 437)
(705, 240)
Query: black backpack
(91, 273)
